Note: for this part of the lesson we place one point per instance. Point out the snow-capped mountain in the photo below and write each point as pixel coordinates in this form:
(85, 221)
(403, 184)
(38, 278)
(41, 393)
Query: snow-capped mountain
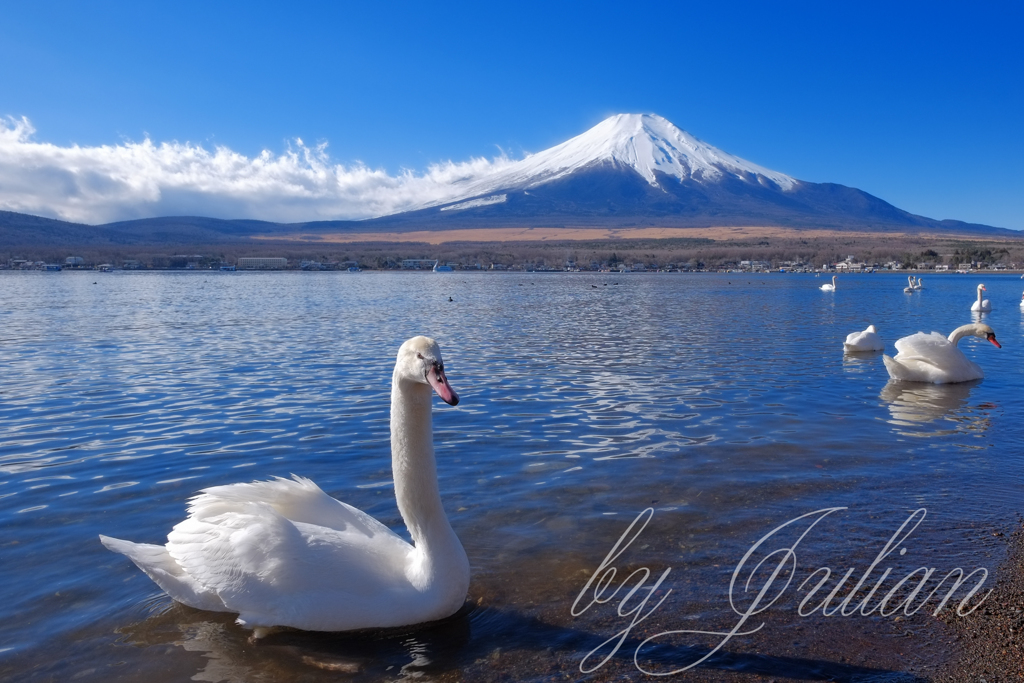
(640, 169)
(646, 143)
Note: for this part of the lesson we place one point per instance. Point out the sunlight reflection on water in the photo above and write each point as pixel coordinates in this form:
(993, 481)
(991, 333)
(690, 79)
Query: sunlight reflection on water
(721, 401)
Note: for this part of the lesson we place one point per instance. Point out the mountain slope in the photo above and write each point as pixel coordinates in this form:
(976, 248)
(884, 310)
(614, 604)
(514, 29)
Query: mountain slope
(630, 170)
(639, 169)
(645, 143)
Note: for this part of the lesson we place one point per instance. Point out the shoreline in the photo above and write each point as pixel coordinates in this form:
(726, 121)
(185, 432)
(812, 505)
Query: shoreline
(990, 646)
(554, 249)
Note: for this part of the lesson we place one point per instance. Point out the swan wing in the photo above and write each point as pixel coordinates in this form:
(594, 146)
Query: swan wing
(297, 499)
(913, 369)
(274, 571)
(863, 341)
(921, 344)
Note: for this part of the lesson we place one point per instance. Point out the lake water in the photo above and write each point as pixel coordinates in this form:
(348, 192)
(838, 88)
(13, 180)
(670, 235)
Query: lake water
(722, 401)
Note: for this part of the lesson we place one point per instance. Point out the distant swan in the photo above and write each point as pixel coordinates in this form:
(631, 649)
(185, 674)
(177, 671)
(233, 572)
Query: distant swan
(284, 553)
(919, 286)
(1022, 301)
(936, 359)
(979, 305)
(829, 287)
(867, 340)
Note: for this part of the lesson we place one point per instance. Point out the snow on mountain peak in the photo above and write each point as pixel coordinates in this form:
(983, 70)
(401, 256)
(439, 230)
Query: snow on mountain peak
(644, 142)
(649, 143)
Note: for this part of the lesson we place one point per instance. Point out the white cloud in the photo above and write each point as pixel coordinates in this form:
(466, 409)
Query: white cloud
(142, 179)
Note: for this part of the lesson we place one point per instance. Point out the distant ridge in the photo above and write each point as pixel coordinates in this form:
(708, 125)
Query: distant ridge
(629, 171)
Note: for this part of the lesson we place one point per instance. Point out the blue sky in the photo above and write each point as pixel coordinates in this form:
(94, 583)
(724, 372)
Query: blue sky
(919, 103)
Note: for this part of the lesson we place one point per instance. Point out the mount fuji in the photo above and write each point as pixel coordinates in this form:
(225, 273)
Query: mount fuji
(647, 144)
(636, 170)
(629, 171)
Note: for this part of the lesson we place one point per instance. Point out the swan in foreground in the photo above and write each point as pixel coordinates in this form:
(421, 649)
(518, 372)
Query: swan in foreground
(1022, 301)
(936, 359)
(829, 287)
(284, 553)
(910, 285)
(868, 340)
(979, 305)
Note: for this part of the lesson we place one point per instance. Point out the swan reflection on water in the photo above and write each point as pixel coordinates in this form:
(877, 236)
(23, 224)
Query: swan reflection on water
(228, 654)
(917, 404)
(486, 642)
(979, 316)
(860, 361)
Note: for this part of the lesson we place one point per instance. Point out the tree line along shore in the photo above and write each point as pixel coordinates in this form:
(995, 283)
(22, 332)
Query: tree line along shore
(695, 254)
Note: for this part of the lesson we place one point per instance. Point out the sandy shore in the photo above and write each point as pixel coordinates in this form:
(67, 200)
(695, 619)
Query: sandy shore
(560, 234)
(989, 646)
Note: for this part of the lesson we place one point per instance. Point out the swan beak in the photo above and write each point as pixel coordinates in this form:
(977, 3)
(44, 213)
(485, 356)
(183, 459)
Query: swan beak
(992, 338)
(437, 380)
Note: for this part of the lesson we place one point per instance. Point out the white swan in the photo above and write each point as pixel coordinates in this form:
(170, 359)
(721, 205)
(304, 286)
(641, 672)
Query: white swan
(868, 340)
(284, 553)
(1022, 301)
(919, 285)
(910, 284)
(979, 305)
(936, 359)
(829, 287)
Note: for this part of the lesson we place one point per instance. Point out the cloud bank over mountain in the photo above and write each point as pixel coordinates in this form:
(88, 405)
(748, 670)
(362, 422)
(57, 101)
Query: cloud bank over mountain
(627, 169)
(142, 179)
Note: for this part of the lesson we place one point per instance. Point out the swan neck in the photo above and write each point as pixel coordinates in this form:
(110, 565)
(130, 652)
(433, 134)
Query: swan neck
(413, 464)
(961, 332)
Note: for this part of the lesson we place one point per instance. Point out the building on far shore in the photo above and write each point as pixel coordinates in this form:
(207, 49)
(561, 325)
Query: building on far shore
(261, 263)
(419, 263)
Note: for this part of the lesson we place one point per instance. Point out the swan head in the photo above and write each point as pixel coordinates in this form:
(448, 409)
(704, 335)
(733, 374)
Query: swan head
(419, 360)
(986, 332)
(976, 330)
(981, 288)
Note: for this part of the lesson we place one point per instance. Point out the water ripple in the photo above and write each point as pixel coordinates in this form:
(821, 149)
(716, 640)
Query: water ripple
(719, 403)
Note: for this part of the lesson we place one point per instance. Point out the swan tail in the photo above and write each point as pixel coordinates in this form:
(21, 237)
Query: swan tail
(159, 566)
(895, 369)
